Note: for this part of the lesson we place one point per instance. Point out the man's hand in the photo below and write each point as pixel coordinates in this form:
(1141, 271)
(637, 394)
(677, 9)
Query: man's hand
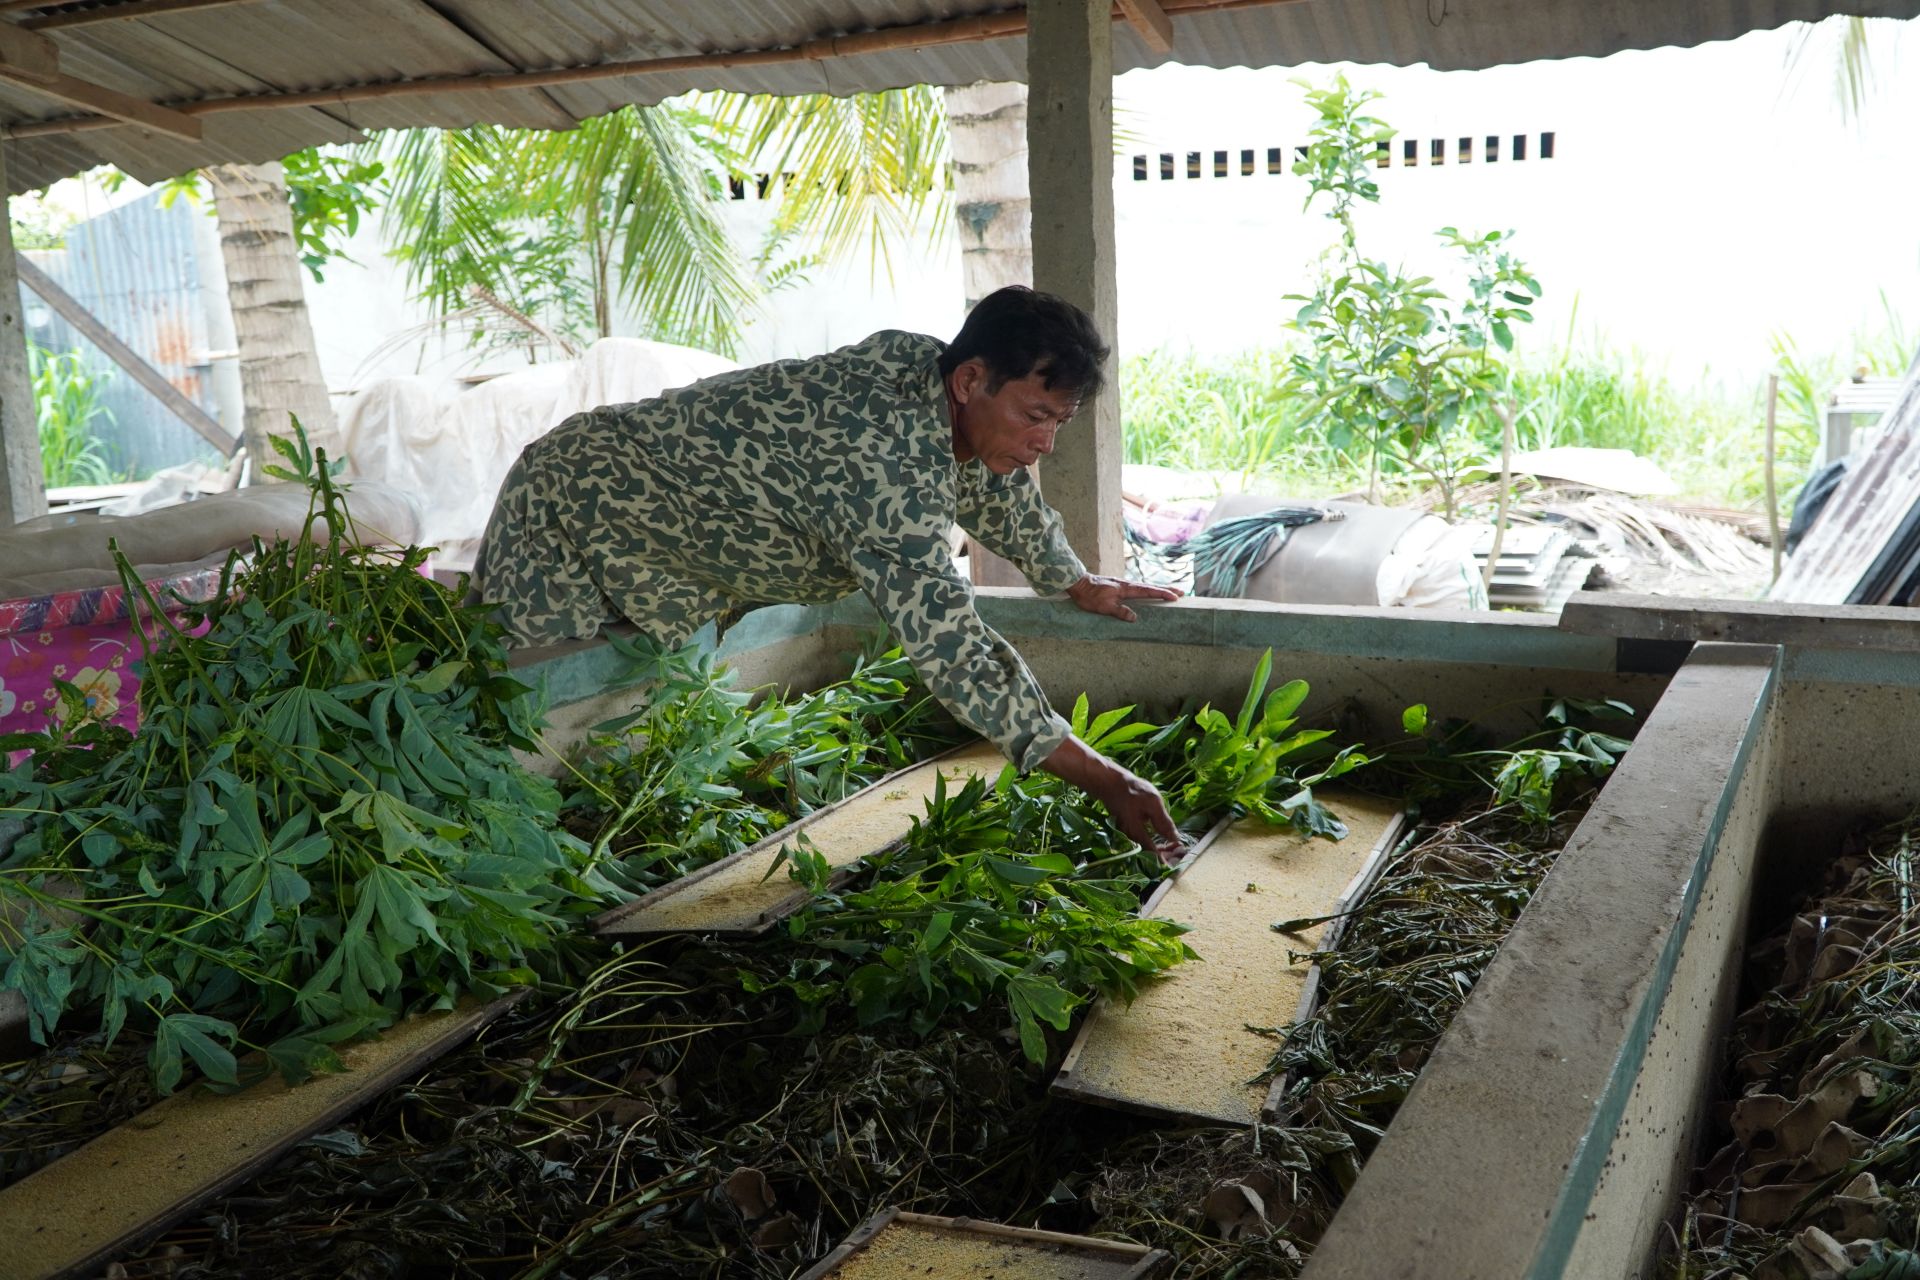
(1132, 802)
(1110, 595)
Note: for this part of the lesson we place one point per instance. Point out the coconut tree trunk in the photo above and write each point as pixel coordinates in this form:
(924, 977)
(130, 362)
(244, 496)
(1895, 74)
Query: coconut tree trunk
(279, 365)
(987, 133)
(993, 216)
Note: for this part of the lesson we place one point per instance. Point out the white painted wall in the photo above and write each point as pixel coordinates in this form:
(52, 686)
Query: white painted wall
(1696, 204)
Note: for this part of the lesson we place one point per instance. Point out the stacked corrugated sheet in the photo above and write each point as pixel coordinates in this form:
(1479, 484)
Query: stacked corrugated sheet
(1865, 546)
(1540, 566)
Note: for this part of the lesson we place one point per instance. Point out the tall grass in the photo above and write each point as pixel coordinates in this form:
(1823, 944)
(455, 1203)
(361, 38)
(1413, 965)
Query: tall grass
(66, 405)
(1229, 415)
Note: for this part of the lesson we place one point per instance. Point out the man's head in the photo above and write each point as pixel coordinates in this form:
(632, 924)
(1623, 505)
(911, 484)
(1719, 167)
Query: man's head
(1022, 365)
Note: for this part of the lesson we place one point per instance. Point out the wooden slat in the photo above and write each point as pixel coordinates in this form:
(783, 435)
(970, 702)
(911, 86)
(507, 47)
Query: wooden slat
(127, 358)
(1181, 1050)
(893, 1245)
(736, 896)
(1151, 22)
(111, 103)
(132, 1181)
(122, 12)
(26, 57)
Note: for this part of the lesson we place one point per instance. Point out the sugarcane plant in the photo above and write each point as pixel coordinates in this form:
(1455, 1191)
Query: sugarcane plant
(319, 826)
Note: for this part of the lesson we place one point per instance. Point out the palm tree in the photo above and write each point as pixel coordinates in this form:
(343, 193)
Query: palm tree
(544, 233)
(279, 363)
(993, 210)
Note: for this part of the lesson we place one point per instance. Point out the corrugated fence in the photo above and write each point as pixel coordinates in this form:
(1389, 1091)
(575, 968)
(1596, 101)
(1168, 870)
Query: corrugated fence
(137, 269)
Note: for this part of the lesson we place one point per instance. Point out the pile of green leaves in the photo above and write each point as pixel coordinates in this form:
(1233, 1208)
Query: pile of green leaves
(700, 770)
(319, 826)
(1256, 764)
(1019, 892)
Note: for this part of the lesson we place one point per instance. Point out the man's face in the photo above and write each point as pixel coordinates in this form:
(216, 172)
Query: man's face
(1010, 428)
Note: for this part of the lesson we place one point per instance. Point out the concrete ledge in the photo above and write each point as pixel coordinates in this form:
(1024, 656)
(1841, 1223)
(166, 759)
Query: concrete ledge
(1429, 635)
(1811, 626)
(1493, 1165)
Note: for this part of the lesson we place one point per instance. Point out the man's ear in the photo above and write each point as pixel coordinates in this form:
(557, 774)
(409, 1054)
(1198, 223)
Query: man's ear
(968, 379)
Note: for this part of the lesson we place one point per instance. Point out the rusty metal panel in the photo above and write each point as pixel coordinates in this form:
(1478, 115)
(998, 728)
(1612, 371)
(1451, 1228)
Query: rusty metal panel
(137, 270)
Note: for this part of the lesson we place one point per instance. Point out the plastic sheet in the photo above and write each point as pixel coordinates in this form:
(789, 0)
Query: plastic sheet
(450, 445)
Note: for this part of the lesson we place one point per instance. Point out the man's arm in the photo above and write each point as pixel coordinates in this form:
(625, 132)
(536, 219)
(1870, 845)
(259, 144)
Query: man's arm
(1013, 521)
(984, 683)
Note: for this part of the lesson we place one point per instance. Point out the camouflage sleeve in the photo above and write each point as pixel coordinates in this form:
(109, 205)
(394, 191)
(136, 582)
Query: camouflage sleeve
(1012, 520)
(975, 674)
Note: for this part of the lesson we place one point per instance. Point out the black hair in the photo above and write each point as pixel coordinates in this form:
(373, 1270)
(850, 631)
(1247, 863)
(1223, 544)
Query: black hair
(1017, 331)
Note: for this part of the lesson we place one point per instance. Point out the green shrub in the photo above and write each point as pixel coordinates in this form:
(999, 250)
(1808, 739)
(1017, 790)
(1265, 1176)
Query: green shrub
(66, 404)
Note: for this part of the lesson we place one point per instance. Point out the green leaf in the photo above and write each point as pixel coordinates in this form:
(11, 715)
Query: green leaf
(1414, 718)
(1258, 686)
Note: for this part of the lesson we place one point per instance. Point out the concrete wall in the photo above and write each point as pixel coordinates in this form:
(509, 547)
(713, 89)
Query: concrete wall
(1558, 1118)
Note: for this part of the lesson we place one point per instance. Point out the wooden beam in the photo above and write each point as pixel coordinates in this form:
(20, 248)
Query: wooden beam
(130, 9)
(1148, 19)
(119, 108)
(127, 358)
(23, 489)
(926, 35)
(27, 57)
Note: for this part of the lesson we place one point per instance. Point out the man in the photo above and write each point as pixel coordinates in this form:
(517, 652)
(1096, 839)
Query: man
(802, 480)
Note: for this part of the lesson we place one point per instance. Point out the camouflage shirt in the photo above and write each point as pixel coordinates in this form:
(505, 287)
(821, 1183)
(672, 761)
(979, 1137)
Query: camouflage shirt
(797, 482)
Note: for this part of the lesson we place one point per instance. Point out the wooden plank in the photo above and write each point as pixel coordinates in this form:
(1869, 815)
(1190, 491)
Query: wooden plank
(111, 103)
(121, 12)
(1151, 22)
(735, 896)
(1882, 628)
(1336, 929)
(26, 57)
(1182, 1050)
(893, 1245)
(127, 358)
(132, 1181)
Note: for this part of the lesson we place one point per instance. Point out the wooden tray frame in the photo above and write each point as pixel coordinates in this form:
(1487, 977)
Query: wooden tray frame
(1065, 1085)
(1147, 1262)
(604, 923)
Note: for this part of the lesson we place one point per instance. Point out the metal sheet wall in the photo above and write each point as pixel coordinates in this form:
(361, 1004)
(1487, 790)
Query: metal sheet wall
(136, 269)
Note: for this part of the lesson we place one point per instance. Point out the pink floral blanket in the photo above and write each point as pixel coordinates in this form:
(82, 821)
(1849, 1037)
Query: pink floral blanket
(86, 638)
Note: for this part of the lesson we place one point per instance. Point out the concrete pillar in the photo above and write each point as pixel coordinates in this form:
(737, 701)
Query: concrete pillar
(1070, 168)
(23, 487)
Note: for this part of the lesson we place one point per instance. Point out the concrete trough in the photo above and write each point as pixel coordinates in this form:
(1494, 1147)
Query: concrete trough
(1548, 1132)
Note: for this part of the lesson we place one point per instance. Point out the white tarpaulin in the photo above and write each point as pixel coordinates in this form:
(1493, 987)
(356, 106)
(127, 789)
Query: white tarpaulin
(450, 445)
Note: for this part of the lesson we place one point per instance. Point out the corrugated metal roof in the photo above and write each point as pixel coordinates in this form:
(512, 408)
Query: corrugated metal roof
(264, 46)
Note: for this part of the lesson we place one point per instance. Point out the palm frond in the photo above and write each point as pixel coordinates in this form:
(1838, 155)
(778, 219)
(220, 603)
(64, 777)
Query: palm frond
(859, 173)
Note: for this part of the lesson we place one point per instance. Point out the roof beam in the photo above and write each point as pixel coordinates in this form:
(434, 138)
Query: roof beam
(1150, 21)
(119, 108)
(926, 35)
(26, 57)
(127, 9)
